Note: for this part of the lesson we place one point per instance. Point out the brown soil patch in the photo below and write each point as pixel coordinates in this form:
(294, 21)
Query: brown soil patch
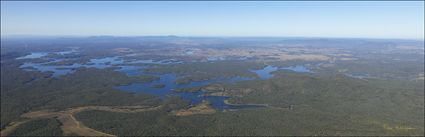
(203, 108)
(69, 124)
(307, 57)
(40, 114)
(12, 126)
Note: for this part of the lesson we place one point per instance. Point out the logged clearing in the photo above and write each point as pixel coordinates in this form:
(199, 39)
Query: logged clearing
(203, 108)
(69, 124)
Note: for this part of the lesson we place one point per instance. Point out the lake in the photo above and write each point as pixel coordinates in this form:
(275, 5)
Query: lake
(167, 80)
(298, 68)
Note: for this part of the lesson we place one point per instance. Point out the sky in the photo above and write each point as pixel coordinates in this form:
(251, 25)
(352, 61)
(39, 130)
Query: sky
(361, 19)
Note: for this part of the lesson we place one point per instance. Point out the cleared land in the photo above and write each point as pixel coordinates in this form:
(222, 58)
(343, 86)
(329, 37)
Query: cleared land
(71, 126)
(202, 108)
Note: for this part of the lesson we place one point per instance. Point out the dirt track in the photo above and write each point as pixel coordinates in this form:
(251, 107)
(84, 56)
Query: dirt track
(69, 124)
(12, 126)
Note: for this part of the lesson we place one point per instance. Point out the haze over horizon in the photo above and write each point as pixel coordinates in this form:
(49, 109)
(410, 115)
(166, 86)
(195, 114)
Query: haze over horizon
(402, 20)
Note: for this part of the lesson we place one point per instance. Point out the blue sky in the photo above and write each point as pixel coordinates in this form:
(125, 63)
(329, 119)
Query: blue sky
(214, 18)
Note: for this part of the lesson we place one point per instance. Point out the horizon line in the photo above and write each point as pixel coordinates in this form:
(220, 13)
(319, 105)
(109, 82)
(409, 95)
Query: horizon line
(202, 36)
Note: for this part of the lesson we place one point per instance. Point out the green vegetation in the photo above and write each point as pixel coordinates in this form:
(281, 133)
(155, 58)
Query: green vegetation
(208, 70)
(320, 105)
(39, 127)
(158, 86)
(87, 86)
(325, 102)
(144, 78)
(300, 121)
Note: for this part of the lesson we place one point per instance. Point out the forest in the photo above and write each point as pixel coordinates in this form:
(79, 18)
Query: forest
(376, 91)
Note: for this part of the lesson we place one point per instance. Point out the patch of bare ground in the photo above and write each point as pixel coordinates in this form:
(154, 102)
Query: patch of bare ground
(41, 114)
(421, 76)
(307, 57)
(123, 50)
(345, 59)
(222, 93)
(228, 103)
(121, 109)
(202, 108)
(69, 124)
(289, 107)
(220, 90)
(12, 126)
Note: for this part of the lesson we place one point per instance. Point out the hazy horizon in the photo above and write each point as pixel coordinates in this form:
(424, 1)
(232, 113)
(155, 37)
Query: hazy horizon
(375, 20)
(199, 36)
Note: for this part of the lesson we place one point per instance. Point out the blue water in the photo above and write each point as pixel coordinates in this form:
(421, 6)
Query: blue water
(166, 79)
(265, 73)
(359, 76)
(55, 70)
(188, 52)
(169, 81)
(131, 70)
(100, 63)
(194, 97)
(34, 55)
(66, 52)
(150, 61)
(216, 101)
(212, 59)
(59, 70)
(215, 58)
(297, 68)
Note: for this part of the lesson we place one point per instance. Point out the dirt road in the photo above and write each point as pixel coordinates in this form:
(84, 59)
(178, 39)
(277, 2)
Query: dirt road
(71, 126)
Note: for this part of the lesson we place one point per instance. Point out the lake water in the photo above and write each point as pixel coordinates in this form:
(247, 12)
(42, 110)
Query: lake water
(265, 73)
(58, 70)
(131, 70)
(188, 52)
(168, 80)
(297, 68)
(100, 63)
(359, 76)
(34, 55)
(216, 101)
(214, 58)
